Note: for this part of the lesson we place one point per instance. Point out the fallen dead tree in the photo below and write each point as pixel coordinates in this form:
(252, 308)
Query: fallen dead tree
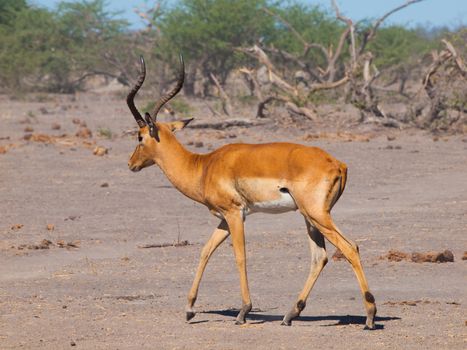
(227, 123)
(164, 245)
(294, 90)
(445, 85)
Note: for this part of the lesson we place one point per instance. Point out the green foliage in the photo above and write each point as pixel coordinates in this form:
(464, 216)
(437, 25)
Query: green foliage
(395, 45)
(314, 24)
(89, 34)
(208, 31)
(45, 50)
(9, 9)
(28, 46)
(52, 50)
(89, 30)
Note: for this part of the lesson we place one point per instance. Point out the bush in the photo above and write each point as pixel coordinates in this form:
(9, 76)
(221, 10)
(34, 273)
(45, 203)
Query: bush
(211, 31)
(395, 45)
(50, 50)
(313, 23)
(54, 50)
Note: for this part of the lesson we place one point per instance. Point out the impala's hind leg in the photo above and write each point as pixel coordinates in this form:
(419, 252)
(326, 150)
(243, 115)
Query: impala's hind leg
(318, 261)
(218, 236)
(315, 202)
(326, 226)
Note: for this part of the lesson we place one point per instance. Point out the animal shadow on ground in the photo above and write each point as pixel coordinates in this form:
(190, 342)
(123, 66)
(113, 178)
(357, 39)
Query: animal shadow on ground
(256, 317)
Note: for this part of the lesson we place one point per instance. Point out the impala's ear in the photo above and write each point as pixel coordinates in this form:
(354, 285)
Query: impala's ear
(153, 130)
(179, 124)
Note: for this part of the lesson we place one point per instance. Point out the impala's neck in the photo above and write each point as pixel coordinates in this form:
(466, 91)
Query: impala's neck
(181, 166)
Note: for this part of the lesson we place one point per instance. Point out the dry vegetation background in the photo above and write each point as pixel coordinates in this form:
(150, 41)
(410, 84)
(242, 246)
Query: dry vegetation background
(299, 59)
(94, 256)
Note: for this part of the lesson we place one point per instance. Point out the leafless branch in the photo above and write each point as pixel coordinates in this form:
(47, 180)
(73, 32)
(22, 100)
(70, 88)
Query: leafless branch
(328, 86)
(226, 124)
(263, 104)
(438, 61)
(369, 35)
(291, 58)
(258, 53)
(251, 77)
(331, 70)
(456, 56)
(349, 31)
(226, 104)
(292, 108)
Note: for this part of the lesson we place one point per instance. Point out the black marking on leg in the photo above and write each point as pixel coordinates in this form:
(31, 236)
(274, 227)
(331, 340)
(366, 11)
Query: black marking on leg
(301, 305)
(189, 315)
(369, 297)
(284, 190)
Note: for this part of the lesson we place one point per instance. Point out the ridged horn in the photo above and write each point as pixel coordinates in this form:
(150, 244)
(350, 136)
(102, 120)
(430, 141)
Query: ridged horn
(166, 98)
(131, 96)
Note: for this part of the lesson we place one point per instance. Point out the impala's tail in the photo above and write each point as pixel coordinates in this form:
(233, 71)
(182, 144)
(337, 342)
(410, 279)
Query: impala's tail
(340, 181)
(343, 178)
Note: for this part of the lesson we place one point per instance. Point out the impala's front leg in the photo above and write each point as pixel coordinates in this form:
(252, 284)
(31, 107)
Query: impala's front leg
(235, 222)
(218, 236)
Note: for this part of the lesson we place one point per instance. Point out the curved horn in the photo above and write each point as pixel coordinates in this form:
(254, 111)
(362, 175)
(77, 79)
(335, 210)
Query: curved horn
(130, 98)
(166, 98)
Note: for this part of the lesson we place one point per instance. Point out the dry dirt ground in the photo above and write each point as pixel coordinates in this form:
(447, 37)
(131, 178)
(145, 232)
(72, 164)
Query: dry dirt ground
(94, 287)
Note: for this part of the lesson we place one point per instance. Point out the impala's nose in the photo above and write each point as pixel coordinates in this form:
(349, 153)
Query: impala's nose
(133, 168)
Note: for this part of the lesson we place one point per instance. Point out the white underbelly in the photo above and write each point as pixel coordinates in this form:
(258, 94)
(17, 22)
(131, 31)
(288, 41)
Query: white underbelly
(284, 203)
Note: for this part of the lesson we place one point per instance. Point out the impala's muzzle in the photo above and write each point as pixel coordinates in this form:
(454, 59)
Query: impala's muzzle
(138, 162)
(134, 168)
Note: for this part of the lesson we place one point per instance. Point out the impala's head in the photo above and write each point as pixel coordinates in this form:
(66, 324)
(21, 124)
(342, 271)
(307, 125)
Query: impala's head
(152, 134)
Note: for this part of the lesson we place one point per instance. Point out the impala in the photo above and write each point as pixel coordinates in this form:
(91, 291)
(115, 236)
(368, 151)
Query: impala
(240, 179)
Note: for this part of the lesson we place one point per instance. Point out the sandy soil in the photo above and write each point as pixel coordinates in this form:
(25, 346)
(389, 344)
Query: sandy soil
(96, 288)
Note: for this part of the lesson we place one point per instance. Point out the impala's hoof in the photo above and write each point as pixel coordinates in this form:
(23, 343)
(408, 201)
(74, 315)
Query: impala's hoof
(293, 314)
(189, 315)
(371, 313)
(241, 317)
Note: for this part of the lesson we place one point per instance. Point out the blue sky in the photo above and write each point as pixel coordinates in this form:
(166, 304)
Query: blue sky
(450, 13)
